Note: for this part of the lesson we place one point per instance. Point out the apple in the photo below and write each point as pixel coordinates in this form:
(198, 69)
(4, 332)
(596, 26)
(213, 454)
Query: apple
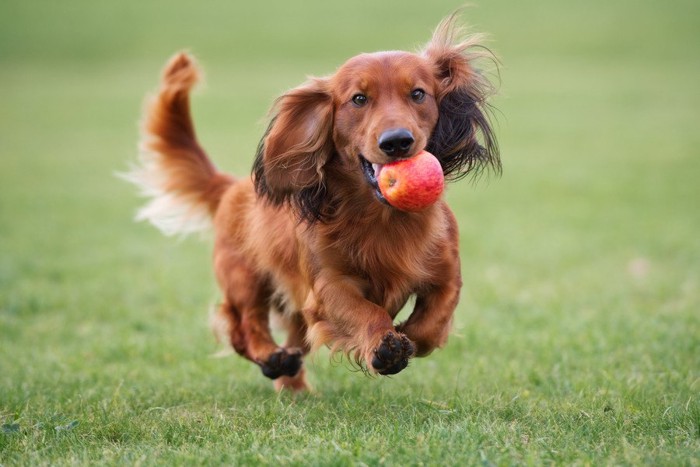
(412, 184)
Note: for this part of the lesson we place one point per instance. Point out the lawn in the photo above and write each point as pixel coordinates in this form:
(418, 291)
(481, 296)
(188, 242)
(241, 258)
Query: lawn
(577, 339)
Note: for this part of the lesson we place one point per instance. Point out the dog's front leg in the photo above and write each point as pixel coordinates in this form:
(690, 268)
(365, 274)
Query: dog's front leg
(341, 317)
(431, 319)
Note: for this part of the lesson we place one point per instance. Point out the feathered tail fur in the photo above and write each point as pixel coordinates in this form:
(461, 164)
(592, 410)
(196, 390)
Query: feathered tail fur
(173, 170)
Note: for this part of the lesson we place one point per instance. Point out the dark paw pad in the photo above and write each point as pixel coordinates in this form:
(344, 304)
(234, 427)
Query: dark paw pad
(392, 354)
(283, 362)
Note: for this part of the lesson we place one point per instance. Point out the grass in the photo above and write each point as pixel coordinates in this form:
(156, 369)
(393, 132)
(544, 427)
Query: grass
(578, 334)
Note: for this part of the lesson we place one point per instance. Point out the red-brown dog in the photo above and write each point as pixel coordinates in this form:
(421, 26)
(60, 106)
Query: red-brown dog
(308, 236)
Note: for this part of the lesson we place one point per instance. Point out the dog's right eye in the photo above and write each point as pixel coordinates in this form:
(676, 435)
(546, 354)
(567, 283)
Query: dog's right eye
(359, 100)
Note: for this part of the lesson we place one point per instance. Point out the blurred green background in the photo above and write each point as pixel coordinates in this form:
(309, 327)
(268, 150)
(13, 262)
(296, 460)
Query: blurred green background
(581, 263)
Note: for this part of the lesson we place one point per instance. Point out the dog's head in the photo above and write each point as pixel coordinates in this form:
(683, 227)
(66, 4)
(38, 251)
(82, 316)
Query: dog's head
(377, 108)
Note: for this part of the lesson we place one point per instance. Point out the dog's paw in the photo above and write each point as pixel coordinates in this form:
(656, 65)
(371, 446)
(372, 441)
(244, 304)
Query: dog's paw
(283, 362)
(392, 354)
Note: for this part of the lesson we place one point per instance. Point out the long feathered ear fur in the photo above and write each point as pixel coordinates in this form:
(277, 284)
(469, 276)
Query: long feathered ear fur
(463, 140)
(289, 165)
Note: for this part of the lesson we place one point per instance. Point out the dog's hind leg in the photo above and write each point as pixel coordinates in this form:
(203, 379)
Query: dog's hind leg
(246, 309)
(249, 335)
(296, 339)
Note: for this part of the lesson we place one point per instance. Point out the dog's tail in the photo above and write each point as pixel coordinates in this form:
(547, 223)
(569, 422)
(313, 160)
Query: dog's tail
(174, 171)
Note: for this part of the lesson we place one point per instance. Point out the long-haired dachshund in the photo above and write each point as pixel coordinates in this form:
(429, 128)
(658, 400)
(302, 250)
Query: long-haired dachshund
(308, 236)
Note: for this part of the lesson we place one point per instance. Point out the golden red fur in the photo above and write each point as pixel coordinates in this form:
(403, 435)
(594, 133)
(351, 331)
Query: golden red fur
(309, 236)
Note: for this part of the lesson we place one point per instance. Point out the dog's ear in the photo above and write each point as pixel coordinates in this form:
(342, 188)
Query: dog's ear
(297, 145)
(463, 139)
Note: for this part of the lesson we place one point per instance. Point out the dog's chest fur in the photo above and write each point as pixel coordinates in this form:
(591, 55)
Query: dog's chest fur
(392, 262)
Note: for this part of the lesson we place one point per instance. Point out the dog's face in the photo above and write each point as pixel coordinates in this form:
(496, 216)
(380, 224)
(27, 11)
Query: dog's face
(374, 109)
(385, 108)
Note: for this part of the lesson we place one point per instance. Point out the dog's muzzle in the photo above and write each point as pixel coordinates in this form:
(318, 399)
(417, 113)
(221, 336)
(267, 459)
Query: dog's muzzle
(371, 173)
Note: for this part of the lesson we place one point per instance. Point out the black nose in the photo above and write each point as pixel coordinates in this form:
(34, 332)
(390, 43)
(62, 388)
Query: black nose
(396, 142)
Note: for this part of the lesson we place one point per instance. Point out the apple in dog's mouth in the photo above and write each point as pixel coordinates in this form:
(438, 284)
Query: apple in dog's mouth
(410, 184)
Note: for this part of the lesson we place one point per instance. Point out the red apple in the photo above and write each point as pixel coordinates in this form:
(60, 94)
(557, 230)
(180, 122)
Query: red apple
(412, 184)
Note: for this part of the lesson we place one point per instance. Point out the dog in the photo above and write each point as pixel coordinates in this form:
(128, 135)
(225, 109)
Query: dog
(308, 236)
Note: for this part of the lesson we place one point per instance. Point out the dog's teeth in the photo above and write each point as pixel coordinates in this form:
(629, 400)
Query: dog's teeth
(377, 168)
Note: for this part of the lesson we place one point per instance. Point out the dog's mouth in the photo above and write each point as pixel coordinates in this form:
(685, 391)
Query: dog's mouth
(371, 173)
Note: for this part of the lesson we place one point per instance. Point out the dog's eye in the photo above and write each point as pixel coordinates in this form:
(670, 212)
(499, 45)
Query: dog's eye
(359, 100)
(418, 95)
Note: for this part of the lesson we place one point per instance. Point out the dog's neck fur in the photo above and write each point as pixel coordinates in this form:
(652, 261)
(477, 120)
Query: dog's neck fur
(369, 237)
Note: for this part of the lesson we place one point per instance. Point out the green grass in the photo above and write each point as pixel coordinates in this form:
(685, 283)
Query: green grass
(577, 340)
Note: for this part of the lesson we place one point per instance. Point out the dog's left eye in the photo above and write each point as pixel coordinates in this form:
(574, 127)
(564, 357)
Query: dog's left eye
(418, 95)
